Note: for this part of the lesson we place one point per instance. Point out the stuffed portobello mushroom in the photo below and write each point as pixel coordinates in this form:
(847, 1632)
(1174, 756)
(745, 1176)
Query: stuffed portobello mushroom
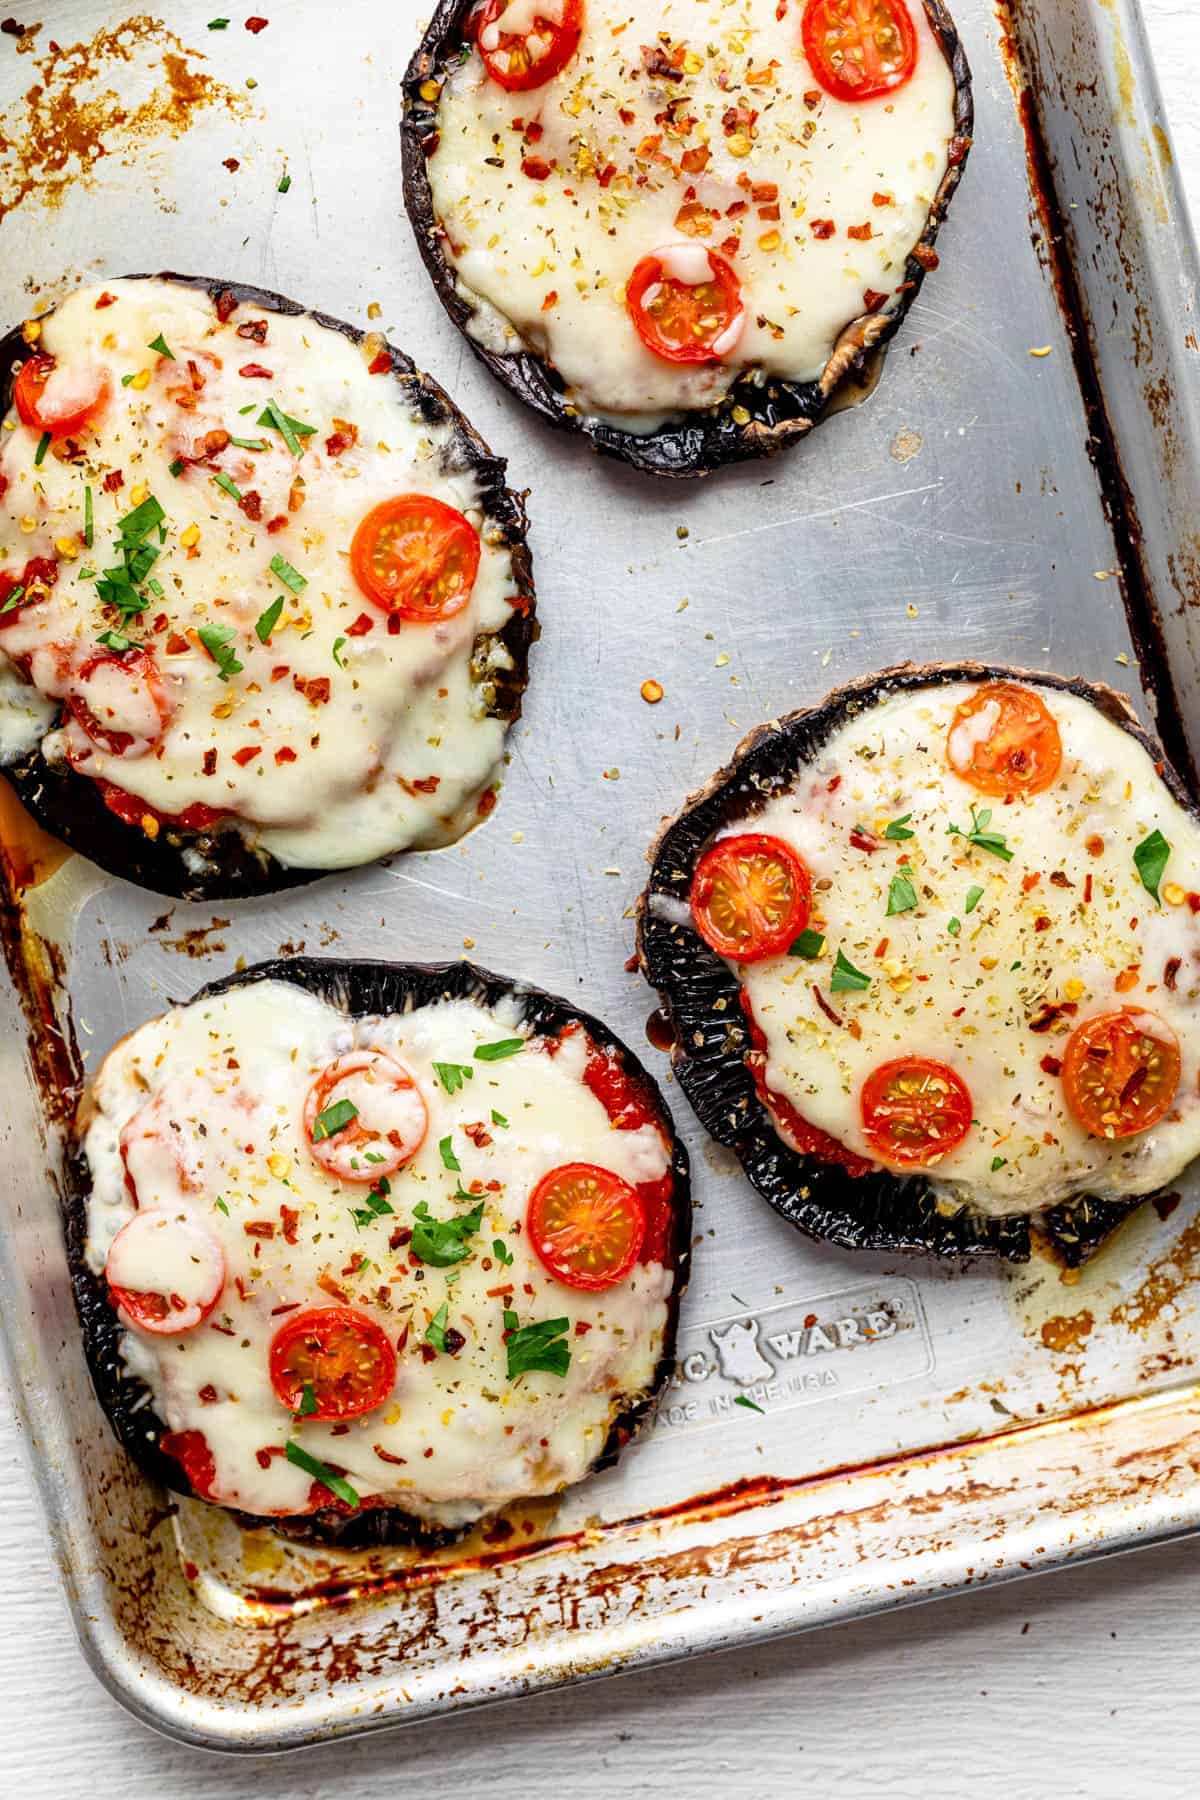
(931, 951)
(265, 600)
(366, 1252)
(681, 232)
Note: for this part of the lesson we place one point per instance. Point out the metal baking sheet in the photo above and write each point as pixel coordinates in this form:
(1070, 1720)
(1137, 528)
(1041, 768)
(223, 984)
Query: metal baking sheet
(1022, 485)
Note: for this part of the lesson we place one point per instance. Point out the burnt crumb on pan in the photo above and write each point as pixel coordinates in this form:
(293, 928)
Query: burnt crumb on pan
(701, 998)
(220, 864)
(771, 414)
(361, 989)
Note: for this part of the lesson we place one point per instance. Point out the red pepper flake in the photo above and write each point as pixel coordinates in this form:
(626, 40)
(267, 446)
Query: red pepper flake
(232, 164)
(1171, 972)
(1087, 892)
(536, 167)
(882, 200)
(255, 24)
(582, 1328)
(550, 300)
(225, 305)
(386, 1455)
(924, 254)
(1030, 881)
(862, 233)
(247, 754)
(825, 1007)
(822, 228)
(256, 372)
(1051, 1064)
(486, 802)
(207, 1395)
(106, 299)
(862, 841)
(315, 689)
(291, 1220)
(344, 436)
(1193, 901)
(328, 1285)
(177, 644)
(277, 523)
(280, 670)
(114, 481)
(361, 626)
(251, 504)
(427, 784)
(285, 754)
(259, 1228)
(692, 162)
(253, 329)
(379, 365)
(881, 948)
(209, 763)
(1041, 923)
(287, 1307)
(872, 300)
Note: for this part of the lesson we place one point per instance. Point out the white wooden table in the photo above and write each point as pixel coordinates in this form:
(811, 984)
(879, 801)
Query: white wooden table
(1077, 1684)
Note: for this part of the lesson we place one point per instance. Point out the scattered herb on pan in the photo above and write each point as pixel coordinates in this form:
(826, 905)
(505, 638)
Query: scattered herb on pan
(499, 1119)
(218, 24)
(810, 943)
(537, 1346)
(902, 895)
(266, 621)
(499, 1050)
(446, 1152)
(452, 1075)
(289, 576)
(898, 829)
(1150, 859)
(750, 1405)
(333, 1119)
(443, 1242)
(312, 1465)
(993, 842)
(846, 978)
(285, 182)
(218, 641)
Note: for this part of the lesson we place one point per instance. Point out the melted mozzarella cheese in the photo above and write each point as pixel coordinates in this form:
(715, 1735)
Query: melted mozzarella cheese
(639, 162)
(217, 1090)
(337, 741)
(1066, 920)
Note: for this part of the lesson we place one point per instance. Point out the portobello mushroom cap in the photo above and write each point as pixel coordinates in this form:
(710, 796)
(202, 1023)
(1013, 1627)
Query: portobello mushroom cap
(220, 864)
(361, 989)
(780, 411)
(883, 1210)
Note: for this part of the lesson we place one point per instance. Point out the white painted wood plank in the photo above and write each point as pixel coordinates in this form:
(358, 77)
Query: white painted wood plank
(1079, 1684)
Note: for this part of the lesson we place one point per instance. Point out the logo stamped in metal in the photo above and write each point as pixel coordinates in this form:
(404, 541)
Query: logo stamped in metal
(798, 1352)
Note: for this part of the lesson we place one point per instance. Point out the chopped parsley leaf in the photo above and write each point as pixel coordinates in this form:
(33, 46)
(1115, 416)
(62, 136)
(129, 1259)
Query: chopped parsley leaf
(156, 587)
(225, 481)
(89, 529)
(443, 1242)
(453, 1075)
(218, 24)
(138, 524)
(160, 344)
(312, 1465)
(744, 1399)
(308, 1400)
(1150, 859)
(979, 835)
(846, 978)
(378, 1205)
(290, 430)
(39, 455)
(217, 640)
(954, 926)
(999, 1162)
(501, 1048)
(810, 943)
(339, 644)
(220, 1205)
(898, 829)
(446, 1152)
(126, 380)
(285, 182)
(499, 1119)
(333, 1119)
(902, 895)
(537, 1346)
(266, 622)
(290, 577)
(177, 467)
(435, 1331)
(249, 443)
(115, 641)
(119, 585)
(502, 1253)
(974, 896)
(14, 600)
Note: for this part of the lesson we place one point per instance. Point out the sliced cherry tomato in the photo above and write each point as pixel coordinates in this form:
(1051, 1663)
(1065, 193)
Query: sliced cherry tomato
(190, 1450)
(342, 1356)
(416, 558)
(586, 1225)
(365, 1116)
(165, 1272)
(34, 583)
(531, 55)
(914, 1112)
(627, 1102)
(686, 304)
(750, 897)
(58, 400)
(1003, 740)
(859, 49)
(132, 811)
(120, 702)
(1120, 1072)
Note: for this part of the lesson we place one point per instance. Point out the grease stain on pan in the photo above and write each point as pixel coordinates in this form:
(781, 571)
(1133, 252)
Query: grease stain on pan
(104, 98)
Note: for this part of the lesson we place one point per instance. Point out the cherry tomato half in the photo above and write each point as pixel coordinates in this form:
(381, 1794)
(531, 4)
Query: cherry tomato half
(190, 1450)
(345, 1358)
(1003, 740)
(58, 400)
(165, 1272)
(133, 811)
(686, 304)
(586, 1225)
(750, 897)
(1120, 1072)
(364, 1116)
(416, 558)
(859, 49)
(914, 1112)
(120, 702)
(530, 56)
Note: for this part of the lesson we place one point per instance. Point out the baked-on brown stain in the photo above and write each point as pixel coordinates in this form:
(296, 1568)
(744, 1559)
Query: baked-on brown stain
(89, 102)
(1164, 1281)
(1068, 1330)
